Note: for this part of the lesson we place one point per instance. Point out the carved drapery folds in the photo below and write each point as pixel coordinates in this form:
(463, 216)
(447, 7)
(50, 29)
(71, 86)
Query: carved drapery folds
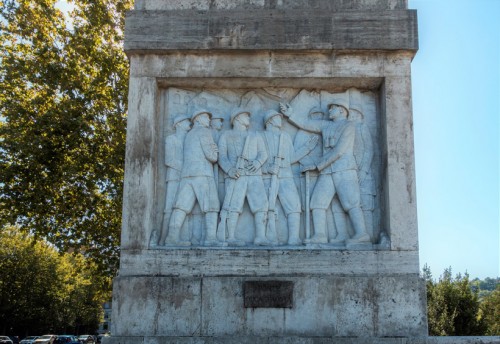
(269, 167)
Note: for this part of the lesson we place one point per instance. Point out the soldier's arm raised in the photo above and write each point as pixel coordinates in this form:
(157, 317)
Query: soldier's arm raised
(304, 149)
(314, 126)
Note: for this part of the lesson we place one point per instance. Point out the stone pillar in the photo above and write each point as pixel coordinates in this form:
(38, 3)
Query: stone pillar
(257, 56)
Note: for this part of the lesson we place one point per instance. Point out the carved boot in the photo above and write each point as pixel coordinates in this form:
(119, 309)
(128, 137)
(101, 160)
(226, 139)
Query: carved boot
(211, 229)
(293, 229)
(340, 219)
(260, 229)
(174, 229)
(232, 220)
(163, 235)
(358, 222)
(319, 220)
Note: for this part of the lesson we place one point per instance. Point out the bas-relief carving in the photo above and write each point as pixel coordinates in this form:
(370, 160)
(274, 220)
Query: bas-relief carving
(269, 167)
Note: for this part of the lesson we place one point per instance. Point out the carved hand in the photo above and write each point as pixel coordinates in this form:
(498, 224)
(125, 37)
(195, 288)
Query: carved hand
(253, 166)
(286, 109)
(273, 169)
(233, 173)
(214, 147)
(214, 151)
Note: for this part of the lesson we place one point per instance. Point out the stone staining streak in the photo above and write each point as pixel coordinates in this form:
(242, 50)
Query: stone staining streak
(262, 170)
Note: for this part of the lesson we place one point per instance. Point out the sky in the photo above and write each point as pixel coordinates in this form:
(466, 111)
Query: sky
(456, 110)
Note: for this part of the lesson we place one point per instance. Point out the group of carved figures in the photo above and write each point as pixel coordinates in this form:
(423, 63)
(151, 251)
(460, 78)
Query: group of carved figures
(257, 166)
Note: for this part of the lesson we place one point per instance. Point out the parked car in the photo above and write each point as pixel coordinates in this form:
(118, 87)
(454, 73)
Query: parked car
(86, 339)
(99, 337)
(67, 339)
(5, 340)
(46, 339)
(28, 340)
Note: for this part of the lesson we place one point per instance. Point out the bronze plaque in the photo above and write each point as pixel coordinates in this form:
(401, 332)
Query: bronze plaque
(268, 294)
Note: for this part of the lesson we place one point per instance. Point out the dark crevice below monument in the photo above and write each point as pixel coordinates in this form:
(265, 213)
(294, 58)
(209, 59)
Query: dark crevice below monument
(270, 185)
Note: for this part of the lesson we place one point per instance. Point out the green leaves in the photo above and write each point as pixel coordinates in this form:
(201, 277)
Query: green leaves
(490, 312)
(41, 290)
(452, 306)
(63, 96)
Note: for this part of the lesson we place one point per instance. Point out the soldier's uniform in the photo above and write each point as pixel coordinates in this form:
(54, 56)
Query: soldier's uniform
(249, 184)
(287, 191)
(197, 175)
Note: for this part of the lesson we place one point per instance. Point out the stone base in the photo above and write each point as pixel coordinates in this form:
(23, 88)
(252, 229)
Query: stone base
(157, 308)
(299, 340)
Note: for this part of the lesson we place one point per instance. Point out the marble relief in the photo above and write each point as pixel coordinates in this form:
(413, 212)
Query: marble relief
(269, 167)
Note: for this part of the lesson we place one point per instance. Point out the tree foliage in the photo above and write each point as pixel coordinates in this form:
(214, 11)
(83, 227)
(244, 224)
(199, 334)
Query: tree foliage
(42, 291)
(452, 305)
(490, 312)
(63, 87)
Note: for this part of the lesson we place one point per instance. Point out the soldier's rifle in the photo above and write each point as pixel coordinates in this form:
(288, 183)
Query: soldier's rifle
(273, 192)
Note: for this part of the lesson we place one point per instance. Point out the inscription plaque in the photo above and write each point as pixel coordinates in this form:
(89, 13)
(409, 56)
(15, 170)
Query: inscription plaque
(268, 294)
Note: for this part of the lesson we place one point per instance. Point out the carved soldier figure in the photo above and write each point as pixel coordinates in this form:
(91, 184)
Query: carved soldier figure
(278, 172)
(197, 183)
(174, 148)
(307, 180)
(363, 154)
(242, 154)
(338, 171)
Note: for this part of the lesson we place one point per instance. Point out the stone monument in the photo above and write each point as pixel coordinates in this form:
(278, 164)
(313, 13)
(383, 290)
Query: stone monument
(269, 186)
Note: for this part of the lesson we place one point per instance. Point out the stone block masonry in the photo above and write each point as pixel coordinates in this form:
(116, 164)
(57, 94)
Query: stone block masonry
(269, 191)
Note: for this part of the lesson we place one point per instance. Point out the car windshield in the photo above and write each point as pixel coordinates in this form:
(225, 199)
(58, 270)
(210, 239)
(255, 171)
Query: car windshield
(29, 338)
(4, 338)
(46, 337)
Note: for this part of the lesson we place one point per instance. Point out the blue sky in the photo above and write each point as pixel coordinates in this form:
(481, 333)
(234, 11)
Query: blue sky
(456, 110)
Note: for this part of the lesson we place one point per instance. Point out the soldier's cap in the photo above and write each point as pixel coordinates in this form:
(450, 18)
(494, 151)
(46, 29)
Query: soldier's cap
(198, 112)
(180, 118)
(339, 102)
(270, 114)
(237, 113)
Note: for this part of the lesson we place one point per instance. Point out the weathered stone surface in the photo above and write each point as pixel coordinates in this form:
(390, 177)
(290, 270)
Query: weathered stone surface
(154, 305)
(293, 29)
(322, 306)
(179, 52)
(332, 70)
(300, 340)
(327, 5)
(266, 262)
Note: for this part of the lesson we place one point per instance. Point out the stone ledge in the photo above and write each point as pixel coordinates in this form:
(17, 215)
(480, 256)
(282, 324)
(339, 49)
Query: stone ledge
(326, 5)
(299, 340)
(266, 262)
(153, 31)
